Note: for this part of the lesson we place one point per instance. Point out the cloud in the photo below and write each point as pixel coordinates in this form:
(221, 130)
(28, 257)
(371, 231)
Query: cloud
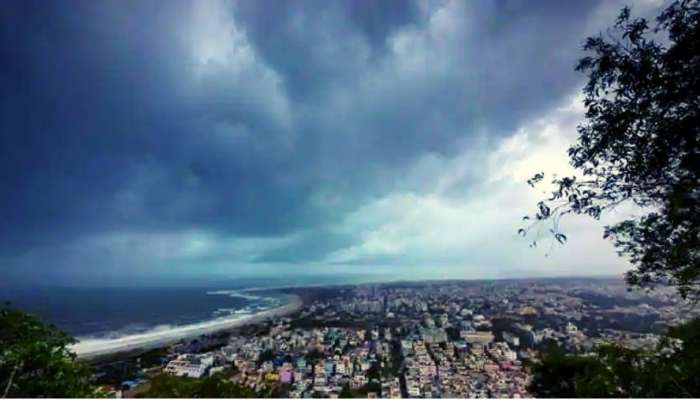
(305, 133)
(460, 227)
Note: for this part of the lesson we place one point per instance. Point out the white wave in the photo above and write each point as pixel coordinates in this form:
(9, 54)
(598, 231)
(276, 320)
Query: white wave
(237, 311)
(165, 334)
(233, 293)
(159, 335)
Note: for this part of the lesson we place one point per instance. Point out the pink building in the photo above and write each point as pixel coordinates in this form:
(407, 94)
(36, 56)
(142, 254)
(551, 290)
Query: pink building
(286, 376)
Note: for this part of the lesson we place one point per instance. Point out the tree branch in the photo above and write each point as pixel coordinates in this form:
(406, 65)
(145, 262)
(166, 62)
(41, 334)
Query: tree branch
(9, 382)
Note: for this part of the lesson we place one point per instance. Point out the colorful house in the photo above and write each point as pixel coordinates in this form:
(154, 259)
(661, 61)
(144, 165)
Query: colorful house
(286, 376)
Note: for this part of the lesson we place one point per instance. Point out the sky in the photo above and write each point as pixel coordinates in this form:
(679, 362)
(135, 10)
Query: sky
(166, 141)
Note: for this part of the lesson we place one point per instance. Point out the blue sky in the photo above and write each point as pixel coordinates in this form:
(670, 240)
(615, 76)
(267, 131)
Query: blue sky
(166, 140)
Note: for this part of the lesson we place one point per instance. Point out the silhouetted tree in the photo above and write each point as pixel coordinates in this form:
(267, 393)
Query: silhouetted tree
(639, 144)
(672, 369)
(35, 360)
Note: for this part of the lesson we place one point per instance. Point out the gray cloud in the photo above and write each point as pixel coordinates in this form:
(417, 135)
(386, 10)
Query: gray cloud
(248, 121)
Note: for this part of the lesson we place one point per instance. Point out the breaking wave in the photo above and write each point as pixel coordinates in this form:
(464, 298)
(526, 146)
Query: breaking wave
(136, 337)
(233, 293)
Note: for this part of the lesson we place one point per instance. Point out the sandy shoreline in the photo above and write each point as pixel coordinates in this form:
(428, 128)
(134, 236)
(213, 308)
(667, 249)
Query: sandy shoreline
(90, 348)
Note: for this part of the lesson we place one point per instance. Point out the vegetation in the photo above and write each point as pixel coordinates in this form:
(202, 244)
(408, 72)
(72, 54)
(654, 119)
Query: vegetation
(35, 360)
(670, 370)
(265, 356)
(346, 393)
(215, 386)
(314, 356)
(640, 144)
(361, 393)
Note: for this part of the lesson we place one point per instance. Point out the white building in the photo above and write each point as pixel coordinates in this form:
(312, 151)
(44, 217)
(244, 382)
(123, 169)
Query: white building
(190, 365)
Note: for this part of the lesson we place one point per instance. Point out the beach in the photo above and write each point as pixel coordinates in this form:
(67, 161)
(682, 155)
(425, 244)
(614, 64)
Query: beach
(166, 335)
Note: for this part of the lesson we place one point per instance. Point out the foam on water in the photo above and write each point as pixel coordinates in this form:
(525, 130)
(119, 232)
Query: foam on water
(233, 293)
(159, 335)
(223, 318)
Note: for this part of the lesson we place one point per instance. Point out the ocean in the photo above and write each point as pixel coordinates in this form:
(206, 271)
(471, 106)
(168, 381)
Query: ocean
(113, 318)
(114, 312)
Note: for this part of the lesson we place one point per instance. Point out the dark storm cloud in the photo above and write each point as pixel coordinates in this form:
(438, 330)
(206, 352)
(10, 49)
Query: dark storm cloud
(109, 123)
(315, 43)
(506, 63)
(96, 113)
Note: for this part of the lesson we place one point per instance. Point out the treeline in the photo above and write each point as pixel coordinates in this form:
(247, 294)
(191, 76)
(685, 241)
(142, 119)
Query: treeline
(215, 386)
(672, 369)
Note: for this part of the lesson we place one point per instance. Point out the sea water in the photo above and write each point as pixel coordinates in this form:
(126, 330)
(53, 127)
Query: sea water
(111, 318)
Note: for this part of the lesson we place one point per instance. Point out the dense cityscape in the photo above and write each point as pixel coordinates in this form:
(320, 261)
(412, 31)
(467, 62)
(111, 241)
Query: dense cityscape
(412, 340)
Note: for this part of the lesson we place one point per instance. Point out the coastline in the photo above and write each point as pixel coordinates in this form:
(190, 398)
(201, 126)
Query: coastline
(92, 348)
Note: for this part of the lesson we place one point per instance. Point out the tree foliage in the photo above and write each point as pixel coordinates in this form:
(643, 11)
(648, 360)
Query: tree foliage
(215, 386)
(35, 360)
(639, 143)
(670, 370)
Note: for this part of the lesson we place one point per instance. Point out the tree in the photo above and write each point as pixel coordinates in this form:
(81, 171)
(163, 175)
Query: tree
(346, 393)
(35, 360)
(672, 369)
(215, 386)
(639, 144)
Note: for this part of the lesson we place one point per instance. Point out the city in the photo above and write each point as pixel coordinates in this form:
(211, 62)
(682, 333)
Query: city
(418, 339)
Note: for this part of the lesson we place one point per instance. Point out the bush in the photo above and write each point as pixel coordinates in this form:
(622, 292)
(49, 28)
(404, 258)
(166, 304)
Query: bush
(35, 360)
